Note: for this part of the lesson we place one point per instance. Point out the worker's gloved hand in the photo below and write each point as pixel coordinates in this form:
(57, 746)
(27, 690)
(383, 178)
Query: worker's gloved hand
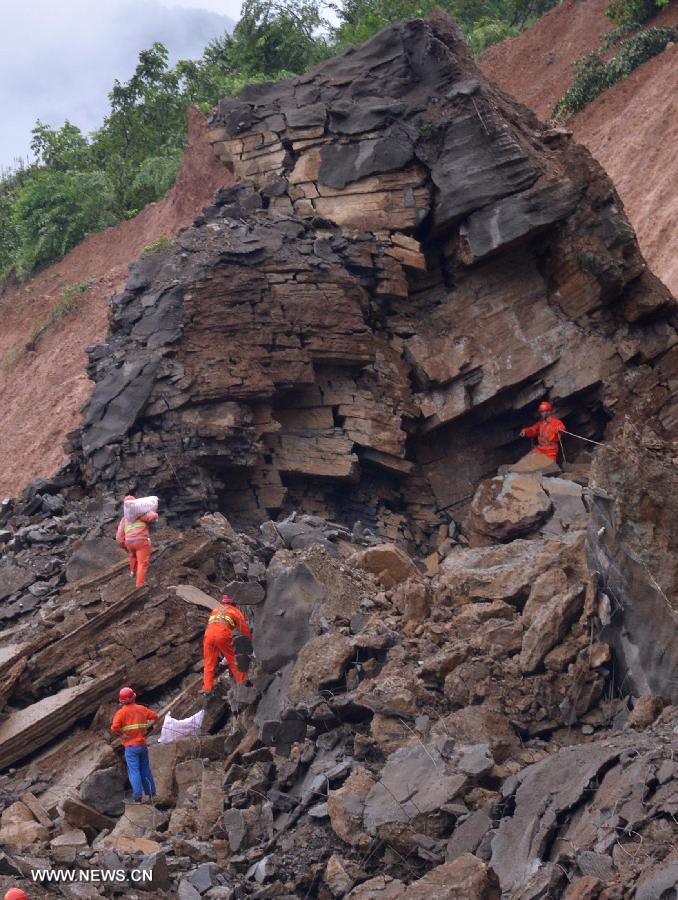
(522, 432)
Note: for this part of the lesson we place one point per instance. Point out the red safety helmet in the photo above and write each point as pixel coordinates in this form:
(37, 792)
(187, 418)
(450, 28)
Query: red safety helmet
(16, 894)
(545, 406)
(127, 695)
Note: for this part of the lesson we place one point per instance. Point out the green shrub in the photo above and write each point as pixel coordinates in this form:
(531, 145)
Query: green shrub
(154, 177)
(594, 74)
(71, 299)
(54, 211)
(627, 12)
(487, 32)
(13, 356)
(160, 244)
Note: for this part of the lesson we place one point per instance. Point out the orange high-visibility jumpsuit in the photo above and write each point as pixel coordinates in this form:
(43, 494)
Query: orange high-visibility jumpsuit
(134, 537)
(219, 640)
(546, 432)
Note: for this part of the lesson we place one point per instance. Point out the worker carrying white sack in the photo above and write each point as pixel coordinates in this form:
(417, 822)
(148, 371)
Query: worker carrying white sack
(133, 534)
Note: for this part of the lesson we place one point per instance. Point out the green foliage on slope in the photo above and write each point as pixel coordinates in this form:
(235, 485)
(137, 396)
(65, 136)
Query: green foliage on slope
(631, 12)
(595, 73)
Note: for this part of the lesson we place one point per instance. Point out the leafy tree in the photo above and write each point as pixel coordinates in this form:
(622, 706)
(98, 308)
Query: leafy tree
(154, 177)
(484, 22)
(215, 75)
(147, 119)
(360, 19)
(53, 211)
(9, 187)
(61, 149)
(275, 37)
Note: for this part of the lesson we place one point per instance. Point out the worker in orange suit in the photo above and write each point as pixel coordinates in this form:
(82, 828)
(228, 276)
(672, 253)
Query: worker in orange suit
(223, 621)
(546, 431)
(134, 537)
(131, 722)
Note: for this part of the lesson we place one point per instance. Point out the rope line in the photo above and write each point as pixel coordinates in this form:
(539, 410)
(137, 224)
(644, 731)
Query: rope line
(588, 440)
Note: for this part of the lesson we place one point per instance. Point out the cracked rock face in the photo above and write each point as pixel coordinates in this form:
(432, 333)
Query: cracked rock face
(361, 326)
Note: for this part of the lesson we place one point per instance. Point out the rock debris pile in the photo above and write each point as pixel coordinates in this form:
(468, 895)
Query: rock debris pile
(406, 731)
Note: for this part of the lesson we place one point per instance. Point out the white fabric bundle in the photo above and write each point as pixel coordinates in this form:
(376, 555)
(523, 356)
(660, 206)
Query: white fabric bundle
(173, 729)
(139, 507)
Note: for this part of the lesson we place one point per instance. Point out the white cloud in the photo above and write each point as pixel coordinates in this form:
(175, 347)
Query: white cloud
(58, 58)
(223, 7)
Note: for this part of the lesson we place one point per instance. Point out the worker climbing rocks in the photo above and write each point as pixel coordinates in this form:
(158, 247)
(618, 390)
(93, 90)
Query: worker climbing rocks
(131, 722)
(223, 621)
(15, 894)
(133, 536)
(546, 431)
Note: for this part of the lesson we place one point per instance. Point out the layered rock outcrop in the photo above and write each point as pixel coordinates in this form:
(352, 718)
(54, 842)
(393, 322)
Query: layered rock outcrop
(409, 261)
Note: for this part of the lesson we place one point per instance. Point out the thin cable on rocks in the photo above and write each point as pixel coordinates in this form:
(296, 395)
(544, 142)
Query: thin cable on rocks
(581, 438)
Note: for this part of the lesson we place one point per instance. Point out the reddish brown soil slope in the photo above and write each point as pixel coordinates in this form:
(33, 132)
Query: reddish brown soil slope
(41, 392)
(631, 129)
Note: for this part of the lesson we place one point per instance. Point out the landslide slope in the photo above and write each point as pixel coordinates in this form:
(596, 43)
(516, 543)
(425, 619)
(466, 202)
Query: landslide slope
(631, 129)
(42, 389)
(409, 260)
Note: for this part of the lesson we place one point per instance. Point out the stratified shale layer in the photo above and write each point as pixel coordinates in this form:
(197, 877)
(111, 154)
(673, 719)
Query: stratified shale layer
(362, 324)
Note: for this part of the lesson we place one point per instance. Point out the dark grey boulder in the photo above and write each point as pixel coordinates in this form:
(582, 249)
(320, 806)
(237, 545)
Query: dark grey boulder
(282, 623)
(14, 579)
(92, 556)
(105, 791)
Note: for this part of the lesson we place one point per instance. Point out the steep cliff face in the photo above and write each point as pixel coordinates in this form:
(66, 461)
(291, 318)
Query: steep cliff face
(409, 262)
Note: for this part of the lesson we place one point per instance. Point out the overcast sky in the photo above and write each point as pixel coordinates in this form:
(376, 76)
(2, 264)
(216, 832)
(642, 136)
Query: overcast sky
(58, 58)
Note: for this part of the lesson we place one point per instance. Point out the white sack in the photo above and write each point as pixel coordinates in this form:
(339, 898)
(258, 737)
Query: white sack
(173, 729)
(139, 507)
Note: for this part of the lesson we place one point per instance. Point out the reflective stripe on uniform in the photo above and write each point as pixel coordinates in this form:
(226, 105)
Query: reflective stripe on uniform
(134, 727)
(135, 531)
(222, 617)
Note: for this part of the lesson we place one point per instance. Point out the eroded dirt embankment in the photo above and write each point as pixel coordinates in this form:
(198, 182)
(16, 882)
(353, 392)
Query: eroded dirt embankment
(631, 129)
(41, 391)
